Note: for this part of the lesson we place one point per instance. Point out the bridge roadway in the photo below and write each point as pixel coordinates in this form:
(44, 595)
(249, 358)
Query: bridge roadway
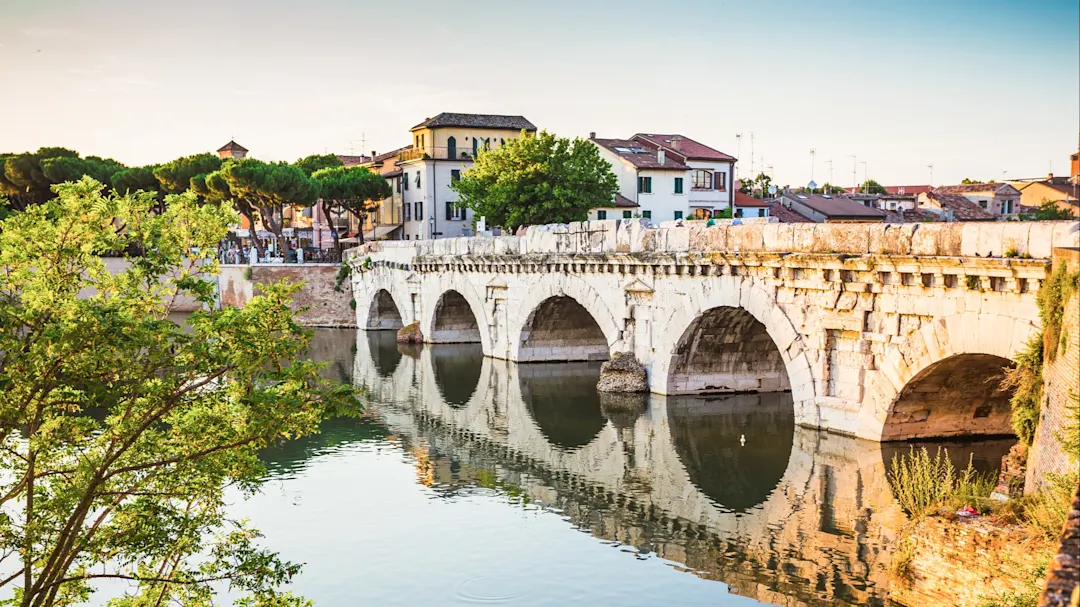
(785, 513)
(879, 331)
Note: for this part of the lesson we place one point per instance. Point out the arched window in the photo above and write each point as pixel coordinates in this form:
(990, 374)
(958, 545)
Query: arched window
(451, 148)
(701, 214)
(702, 179)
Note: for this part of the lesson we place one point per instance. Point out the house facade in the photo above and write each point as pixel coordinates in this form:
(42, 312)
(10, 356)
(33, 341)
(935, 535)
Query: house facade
(952, 207)
(1065, 193)
(442, 149)
(666, 177)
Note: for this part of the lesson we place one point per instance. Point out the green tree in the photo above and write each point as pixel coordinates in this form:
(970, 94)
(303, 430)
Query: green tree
(316, 162)
(214, 189)
(24, 180)
(1048, 210)
(967, 181)
(537, 179)
(270, 188)
(120, 429)
(175, 176)
(757, 187)
(829, 188)
(134, 179)
(872, 187)
(353, 190)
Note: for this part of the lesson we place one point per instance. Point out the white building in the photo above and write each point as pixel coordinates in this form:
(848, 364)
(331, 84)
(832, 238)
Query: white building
(665, 177)
(442, 149)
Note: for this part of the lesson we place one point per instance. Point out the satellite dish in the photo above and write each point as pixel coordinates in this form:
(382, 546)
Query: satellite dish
(772, 189)
(812, 185)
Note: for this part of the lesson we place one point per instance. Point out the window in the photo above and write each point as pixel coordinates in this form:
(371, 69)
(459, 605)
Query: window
(982, 203)
(399, 180)
(627, 214)
(678, 214)
(644, 185)
(678, 185)
(454, 212)
(702, 179)
(646, 214)
(419, 211)
(475, 145)
(455, 175)
(601, 214)
(408, 212)
(1006, 207)
(451, 147)
(720, 181)
(418, 180)
(405, 180)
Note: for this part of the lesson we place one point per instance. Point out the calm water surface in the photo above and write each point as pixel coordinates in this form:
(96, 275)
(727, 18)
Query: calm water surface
(472, 480)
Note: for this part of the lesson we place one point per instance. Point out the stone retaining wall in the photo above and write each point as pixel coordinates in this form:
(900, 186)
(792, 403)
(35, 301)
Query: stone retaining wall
(325, 306)
(964, 564)
(1063, 582)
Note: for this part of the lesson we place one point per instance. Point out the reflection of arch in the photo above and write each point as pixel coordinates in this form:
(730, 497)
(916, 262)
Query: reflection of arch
(561, 329)
(568, 286)
(457, 371)
(384, 352)
(735, 449)
(726, 350)
(562, 400)
(967, 333)
(383, 313)
(956, 396)
(745, 293)
(454, 321)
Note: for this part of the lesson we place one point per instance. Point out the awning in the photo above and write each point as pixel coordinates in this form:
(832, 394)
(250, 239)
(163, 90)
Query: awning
(380, 232)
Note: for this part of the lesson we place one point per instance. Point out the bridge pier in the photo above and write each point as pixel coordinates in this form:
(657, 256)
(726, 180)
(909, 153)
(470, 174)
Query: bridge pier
(855, 320)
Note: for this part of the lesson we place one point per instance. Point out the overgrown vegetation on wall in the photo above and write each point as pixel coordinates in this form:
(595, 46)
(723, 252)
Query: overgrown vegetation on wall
(1026, 378)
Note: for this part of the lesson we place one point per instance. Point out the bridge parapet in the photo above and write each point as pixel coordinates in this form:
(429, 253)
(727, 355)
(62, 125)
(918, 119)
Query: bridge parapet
(960, 239)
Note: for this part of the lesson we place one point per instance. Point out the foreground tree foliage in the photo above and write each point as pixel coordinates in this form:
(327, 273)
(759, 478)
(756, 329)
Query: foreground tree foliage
(537, 179)
(353, 190)
(120, 430)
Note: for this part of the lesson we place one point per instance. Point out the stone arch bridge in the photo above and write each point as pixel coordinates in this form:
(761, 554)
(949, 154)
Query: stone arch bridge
(879, 331)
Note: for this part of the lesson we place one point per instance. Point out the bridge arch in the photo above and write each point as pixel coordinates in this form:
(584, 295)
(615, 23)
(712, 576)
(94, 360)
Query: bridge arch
(944, 380)
(384, 313)
(563, 319)
(735, 318)
(458, 316)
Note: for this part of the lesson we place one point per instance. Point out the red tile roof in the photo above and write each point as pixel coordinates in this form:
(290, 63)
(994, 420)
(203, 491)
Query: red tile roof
(687, 147)
(351, 161)
(623, 202)
(743, 200)
(647, 158)
(973, 188)
(232, 146)
(962, 208)
(911, 216)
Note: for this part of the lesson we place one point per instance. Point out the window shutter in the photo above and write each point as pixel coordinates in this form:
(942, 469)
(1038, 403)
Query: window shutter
(449, 210)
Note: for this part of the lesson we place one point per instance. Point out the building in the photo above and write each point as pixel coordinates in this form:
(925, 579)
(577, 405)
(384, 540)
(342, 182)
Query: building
(232, 150)
(665, 177)
(1063, 191)
(442, 149)
(998, 199)
(953, 207)
(748, 206)
(824, 208)
(886, 202)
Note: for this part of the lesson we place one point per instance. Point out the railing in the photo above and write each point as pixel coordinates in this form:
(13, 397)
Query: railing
(445, 153)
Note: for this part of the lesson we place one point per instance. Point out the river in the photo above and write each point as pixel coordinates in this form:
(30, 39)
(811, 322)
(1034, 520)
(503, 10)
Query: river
(472, 480)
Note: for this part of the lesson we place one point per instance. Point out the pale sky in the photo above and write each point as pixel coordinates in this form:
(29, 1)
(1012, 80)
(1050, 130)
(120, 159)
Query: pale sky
(975, 88)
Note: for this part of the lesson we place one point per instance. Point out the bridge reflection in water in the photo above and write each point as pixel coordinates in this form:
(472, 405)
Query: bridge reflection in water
(726, 486)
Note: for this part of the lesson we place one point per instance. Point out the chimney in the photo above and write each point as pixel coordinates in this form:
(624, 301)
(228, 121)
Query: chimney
(592, 134)
(675, 143)
(373, 154)
(660, 156)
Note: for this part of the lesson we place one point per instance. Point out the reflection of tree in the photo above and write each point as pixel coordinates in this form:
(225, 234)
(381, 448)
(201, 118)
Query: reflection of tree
(709, 431)
(290, 457)
(562, 399)
(457, 371)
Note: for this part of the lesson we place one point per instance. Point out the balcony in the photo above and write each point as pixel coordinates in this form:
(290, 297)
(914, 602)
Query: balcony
(437, 153)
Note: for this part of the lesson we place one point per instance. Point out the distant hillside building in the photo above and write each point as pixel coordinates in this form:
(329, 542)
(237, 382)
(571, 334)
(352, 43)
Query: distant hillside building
(232, 150)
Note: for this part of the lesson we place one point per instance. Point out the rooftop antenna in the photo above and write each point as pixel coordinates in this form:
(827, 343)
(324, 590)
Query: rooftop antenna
(812, 152)
(866, 179)
(854, 173)
(830, 172)
(931, 167)
(752, 176)
(738, 154)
